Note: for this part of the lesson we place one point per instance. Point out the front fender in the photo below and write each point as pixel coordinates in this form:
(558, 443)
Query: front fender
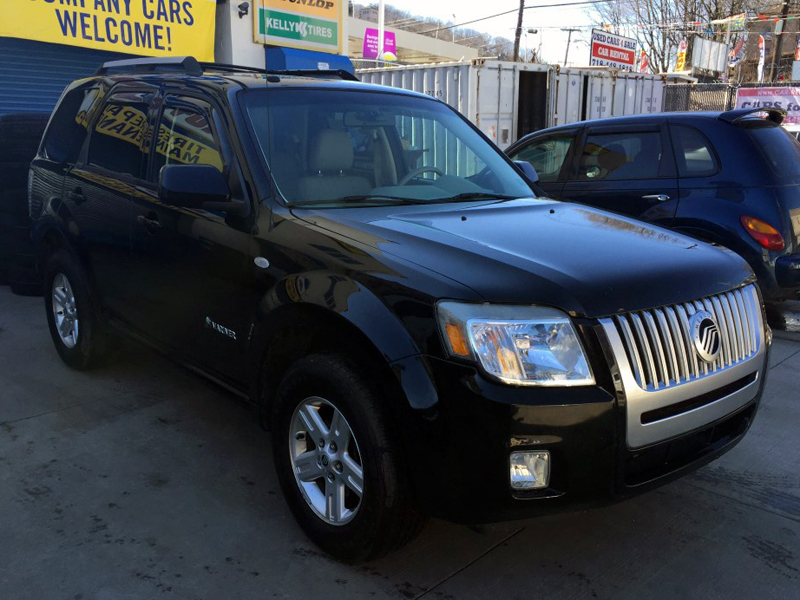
(335, 301)
(348, 299)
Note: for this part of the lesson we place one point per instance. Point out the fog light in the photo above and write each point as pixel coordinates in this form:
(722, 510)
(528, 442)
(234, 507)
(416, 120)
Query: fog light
(529, 470)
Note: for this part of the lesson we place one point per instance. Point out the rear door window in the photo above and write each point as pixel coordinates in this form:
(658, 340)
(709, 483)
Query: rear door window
(547, 155)
(121, 136)
(621, 156)
(693, 152)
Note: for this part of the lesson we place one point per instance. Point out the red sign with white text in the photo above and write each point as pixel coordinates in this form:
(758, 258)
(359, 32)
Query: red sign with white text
(610, 50)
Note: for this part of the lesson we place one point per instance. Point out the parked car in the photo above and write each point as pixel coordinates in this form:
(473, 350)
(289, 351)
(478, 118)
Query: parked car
(20, 134)
(731, 178)
(423, 336)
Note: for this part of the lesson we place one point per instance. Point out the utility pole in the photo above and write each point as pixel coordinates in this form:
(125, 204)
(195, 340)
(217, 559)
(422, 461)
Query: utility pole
(776, 56)
(381, 27)
(569, 40)
(518, 32)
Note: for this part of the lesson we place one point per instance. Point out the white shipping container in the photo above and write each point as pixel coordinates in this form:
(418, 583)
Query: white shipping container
(488, 93)
(507, 99)
(583, 94)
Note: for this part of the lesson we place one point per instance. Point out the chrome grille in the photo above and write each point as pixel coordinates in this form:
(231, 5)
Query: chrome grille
(659, 345)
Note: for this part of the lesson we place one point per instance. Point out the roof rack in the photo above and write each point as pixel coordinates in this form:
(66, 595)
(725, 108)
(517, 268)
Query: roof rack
(190, 66)
(736, 116)
(187, 64)
(330, 73)
(212, 66)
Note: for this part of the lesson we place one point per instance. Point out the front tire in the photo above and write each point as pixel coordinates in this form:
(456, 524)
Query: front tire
(340, 470)
(78, 333)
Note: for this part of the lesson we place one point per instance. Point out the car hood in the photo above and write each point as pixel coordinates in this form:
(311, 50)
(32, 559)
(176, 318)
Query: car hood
(585, 261)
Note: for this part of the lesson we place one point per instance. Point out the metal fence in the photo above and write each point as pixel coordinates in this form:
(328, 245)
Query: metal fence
(682, 97)
(697, 96)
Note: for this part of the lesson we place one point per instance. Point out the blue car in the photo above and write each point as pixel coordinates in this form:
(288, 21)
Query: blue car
(730, 178)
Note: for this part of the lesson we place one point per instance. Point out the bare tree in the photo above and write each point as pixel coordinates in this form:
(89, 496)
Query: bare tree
(666, 22)
(496, 47)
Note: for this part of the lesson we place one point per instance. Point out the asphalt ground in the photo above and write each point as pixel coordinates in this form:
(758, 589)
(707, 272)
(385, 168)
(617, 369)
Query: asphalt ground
(143, 480)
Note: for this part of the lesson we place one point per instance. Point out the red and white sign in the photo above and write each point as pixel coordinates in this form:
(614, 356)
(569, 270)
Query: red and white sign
(609, 50)
(644, 64)
(787, 98)
(761, 55)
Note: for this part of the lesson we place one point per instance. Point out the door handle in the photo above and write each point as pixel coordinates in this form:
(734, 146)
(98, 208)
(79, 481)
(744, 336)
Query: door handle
(151, 225)
(656, 197)
(77, 196)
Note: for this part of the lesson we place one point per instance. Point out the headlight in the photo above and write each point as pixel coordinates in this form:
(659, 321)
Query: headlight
(521, 345)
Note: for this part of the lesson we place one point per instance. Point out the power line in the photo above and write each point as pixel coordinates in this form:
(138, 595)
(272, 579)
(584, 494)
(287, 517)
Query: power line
(508, 12)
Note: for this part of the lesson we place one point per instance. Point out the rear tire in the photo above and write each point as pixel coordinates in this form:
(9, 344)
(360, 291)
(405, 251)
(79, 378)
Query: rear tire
(318, 480)
(78, 333)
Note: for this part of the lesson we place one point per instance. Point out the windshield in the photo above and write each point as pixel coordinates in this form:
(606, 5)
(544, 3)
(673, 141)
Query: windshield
(346, 148)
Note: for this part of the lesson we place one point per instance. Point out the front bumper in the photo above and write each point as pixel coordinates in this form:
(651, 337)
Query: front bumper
(459, 447)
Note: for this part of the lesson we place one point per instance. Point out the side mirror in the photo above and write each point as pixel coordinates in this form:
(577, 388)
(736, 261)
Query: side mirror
(196, 186)
(527, 170)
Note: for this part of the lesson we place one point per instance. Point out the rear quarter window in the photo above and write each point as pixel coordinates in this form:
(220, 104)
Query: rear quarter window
(69, 126)
(694, 153)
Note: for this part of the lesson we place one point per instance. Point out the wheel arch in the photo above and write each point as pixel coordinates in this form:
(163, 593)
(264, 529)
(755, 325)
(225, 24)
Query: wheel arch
(291, 325)
(55, 230)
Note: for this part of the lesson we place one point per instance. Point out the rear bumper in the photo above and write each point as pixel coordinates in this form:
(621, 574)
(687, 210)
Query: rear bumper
(787, 271)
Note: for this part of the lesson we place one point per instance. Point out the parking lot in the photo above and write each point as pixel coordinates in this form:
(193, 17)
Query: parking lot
(142, 480)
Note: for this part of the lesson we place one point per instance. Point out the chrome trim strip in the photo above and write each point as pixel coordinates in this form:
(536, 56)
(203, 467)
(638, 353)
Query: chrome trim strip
(741, 356)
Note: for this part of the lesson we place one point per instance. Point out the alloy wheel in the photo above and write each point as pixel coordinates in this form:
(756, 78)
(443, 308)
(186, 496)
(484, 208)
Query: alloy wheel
(65, 311)
(326, 461)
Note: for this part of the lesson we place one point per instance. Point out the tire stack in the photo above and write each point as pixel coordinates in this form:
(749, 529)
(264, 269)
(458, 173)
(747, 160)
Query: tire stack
(19, 140)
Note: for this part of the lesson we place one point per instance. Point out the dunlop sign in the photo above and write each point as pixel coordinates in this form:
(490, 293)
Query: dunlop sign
(144, 27)
(307, 24)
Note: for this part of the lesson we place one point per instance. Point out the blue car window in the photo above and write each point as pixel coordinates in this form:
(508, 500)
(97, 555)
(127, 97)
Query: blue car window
(621, 156)
(693, 152)
(547, 156)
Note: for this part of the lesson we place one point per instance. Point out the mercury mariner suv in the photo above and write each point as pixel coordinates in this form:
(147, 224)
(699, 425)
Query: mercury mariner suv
(423, 335)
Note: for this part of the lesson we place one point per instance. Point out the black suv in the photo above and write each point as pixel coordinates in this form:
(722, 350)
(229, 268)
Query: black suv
(422, 335)
(730, 178)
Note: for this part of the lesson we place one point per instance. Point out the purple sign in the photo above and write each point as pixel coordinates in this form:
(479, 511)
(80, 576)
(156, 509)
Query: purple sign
(371, 43)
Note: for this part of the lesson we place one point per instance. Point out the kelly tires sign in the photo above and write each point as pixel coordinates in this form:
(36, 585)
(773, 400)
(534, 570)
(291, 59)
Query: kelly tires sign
(787, 98)
(609, 50)
(144, 27)
(306, 24)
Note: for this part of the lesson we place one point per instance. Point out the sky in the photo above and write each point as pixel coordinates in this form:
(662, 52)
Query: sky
(548, 21)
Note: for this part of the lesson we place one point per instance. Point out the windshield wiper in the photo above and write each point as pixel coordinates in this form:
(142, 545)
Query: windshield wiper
(477, 196)
(363, 198)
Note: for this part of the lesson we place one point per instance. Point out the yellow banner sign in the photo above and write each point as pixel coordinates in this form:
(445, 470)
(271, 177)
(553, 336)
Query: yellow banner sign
(143, 27)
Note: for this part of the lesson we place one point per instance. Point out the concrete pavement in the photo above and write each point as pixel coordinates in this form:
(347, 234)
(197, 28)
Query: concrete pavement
(142, 480)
